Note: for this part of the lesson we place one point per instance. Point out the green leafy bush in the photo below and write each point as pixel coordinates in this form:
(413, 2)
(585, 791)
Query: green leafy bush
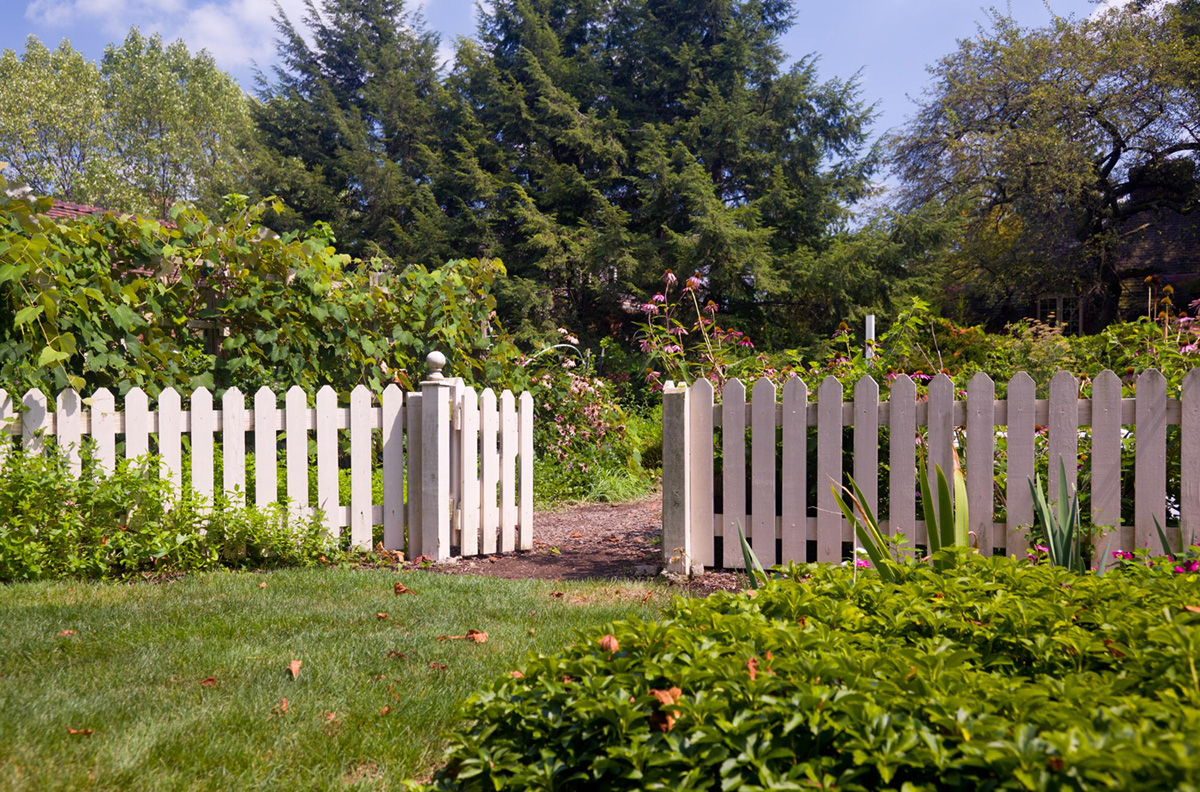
(54, 524)
(999, 675)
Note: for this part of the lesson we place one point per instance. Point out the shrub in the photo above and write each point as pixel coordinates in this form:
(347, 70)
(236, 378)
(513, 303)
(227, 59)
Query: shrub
(1000, 675)
(54, 524)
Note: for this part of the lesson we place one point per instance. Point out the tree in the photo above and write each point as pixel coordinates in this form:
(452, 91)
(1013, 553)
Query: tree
(51, 121)
(348, 126)
(177, 124)
(1045, 141)
(605, 142)
(150, 126)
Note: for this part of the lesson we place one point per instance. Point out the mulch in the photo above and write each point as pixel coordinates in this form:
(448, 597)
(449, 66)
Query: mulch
(596, 541)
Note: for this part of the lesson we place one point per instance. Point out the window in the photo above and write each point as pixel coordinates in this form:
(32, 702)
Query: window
(1061, 311)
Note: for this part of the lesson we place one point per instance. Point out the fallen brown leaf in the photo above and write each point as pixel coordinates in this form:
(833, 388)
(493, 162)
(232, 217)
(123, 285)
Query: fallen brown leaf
(381, 616)
(294, 668)
(576, 535)
(386, 709)
(438, 666)
(400, 588)
(557, 594)
(79, 732)
(478, 636)
(262, 585)
(67, 633)
(516, 675)
(394, 654)
(208, 682)
(609, 644)
(330, 717)
(661, 720)
(1192, 608)
(752, 666)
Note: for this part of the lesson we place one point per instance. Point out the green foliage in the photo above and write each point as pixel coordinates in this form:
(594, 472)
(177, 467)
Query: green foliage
(1065, 541)
(1007, 676)
(54, 524)
(116, 302)
(150, 126)
(753, 566)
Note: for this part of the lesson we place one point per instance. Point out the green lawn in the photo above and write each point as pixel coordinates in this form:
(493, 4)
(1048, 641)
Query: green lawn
(132, 673)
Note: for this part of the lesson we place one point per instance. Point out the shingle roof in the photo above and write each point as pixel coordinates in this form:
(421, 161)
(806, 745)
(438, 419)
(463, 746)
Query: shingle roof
(67, 210)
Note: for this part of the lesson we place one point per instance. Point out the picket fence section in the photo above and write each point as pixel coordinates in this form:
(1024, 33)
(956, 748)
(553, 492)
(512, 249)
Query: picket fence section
(456, 466)
(767, 494)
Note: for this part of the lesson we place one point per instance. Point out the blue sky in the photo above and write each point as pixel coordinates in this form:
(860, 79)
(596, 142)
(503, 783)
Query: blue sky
(890, 41)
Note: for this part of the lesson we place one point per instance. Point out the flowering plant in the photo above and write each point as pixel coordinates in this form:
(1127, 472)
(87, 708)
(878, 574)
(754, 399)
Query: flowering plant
(687, 349)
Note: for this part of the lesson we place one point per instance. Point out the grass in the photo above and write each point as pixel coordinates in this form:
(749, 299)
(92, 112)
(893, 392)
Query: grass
(131, 673)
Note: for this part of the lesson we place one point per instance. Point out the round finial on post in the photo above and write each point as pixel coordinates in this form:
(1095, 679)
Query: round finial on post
(436, 361)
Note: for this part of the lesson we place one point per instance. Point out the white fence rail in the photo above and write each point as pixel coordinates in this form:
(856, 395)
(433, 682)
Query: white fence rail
(456, 467)
(767, 493)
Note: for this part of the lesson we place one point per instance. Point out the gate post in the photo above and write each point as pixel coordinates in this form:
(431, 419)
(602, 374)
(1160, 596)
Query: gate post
(435, 460)
(677, 500)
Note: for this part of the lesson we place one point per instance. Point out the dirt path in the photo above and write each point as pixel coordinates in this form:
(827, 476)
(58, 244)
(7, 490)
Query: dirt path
(598, 541)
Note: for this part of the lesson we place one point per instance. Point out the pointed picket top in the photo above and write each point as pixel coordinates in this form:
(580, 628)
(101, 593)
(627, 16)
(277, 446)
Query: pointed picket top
(764, 388)
(980, 382)
(1152, 378)
(171, 397)
(903, 387)
(488, 394)
(1065, 379)
(794, 388)
(297, 395)
(1022, 380)
(703, 389)
(830, 385)
(325, 392)
(1110, 378)
(359, 393)
(201, 398)
(393, 390)
(264, 393)
(942, 381)
(733, 389)
(866, 387)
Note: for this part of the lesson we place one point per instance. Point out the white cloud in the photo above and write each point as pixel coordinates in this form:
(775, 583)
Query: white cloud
(1109, 5)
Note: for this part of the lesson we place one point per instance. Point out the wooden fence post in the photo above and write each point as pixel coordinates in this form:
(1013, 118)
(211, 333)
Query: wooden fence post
(435, 460)
(677, 507)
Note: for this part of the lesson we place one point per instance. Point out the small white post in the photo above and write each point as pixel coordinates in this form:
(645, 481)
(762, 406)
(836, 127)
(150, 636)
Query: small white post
(435, 460)
(870, 353)
(677, 512)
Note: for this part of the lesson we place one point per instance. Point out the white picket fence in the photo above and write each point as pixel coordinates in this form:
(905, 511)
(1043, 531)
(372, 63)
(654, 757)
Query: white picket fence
(972, 426)
(457, 466)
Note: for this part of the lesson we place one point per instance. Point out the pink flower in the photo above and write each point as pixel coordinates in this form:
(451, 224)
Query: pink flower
(678, 331)
(710, 308)
(672, 349)
(1189, 349)
(670, 278)
(693, 283)
(645, 345)
(862, 563)
(650, 309)
(658, 298)
(746, 342)
(1041, 548)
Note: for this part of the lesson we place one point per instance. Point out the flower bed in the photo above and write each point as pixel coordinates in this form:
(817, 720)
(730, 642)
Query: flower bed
(998, 674)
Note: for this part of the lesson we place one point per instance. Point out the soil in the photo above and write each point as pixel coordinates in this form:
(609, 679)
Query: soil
(597, 541)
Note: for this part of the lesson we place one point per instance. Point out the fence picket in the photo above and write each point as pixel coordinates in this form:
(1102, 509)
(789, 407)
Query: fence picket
(204, 424)
(489, 417)
(941, 436)
(416, 539)
(469, 461)
(295, 421)
(794, 522)
(170, 437)
(902, 458)
(233, 446)
(34, 421)
(525, 459)
(104, 429)
(981, 459)
(701, 446)
(1064, 432)
(393, 467)
(866, 447)
(733, 471)
(69, 430)
(1106, 455)
(137, 424)
(829, 470)
(508, 472)
(327, 458)
(266, 427)
(1189, 461)
(1150, 460)
(1022, 395)
(360, 467)
(762, 472)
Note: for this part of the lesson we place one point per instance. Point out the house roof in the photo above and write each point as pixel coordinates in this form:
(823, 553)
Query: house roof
(67, 211)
